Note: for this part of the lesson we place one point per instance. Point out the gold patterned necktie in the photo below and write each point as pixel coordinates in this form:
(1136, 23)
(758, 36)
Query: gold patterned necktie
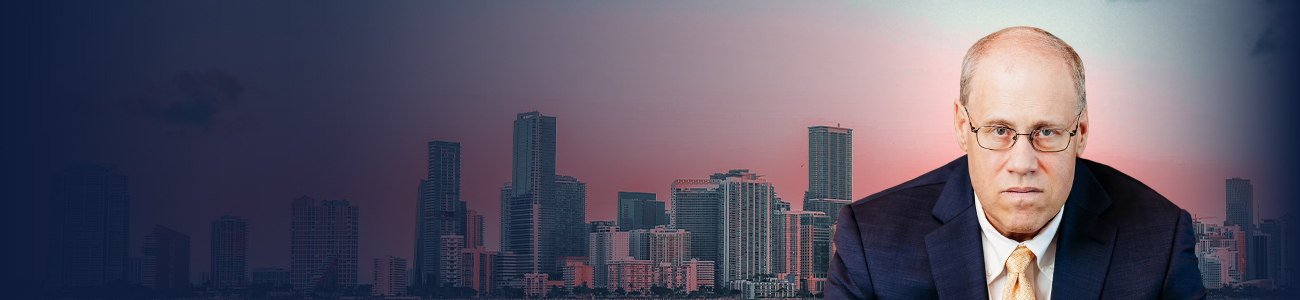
(1018, 286)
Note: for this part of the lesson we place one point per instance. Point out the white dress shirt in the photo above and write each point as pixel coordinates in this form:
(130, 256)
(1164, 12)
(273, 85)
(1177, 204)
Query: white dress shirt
(998, 248)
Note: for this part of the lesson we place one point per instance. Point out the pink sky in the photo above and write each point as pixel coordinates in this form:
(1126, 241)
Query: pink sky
(644, 96)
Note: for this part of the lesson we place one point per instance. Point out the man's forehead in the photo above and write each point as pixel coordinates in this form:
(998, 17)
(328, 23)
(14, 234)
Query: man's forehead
(1013, 115)
(1024, 87)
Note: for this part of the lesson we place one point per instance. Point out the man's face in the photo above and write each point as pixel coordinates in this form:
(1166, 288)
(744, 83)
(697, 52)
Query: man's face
(1021, 188)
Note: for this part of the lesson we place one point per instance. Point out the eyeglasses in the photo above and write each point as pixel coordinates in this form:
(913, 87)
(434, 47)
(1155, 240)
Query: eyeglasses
(998, 137)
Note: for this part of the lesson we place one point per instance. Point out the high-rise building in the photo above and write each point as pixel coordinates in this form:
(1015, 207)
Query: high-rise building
(670, 246)
(1241, 212)
(1258, 258)
(570, 236)
(477, 269)
(473, 229)
(450, 264)
(830, 163)
(577, 271)
(593, 225)
(511, 269)
(89, 229)
(229, 252)
(631, 275)
(640, 211)
(133, 269)
(695, 205)
(529, 210)
(607, 244)
(390, 276)
(779, 205)
(638, 244)
(830, 207)
(166, 262)
(1290, 241)
(802, 246)
(700, 274)
(507, 197)
(1272, 264)
(273, 276)
(746, 237)
(323, 240)
(1212, 272)
(439, 212)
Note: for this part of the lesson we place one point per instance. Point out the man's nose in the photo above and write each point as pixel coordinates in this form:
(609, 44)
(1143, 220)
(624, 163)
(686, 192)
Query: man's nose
(1023, 158)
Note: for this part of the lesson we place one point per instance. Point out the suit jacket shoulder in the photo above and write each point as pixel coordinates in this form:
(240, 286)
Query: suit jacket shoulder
(920, 240)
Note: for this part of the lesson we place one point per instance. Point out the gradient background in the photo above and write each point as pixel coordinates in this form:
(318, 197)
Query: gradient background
(235, 108)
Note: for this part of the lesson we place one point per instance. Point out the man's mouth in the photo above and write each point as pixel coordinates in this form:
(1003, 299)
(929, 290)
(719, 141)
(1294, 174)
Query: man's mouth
(1023, 190)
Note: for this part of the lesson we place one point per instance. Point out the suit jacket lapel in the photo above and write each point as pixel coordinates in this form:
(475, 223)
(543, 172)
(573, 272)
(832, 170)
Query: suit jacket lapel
(955, 251)
(1085, 241)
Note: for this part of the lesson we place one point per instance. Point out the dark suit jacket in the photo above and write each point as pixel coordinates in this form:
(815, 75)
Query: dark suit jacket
(1118, 239)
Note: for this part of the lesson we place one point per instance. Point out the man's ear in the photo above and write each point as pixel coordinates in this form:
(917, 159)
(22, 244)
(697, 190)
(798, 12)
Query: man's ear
(959, 124)
(1082, 134)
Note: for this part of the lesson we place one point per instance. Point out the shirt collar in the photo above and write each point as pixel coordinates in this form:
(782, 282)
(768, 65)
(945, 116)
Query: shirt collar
(1003, 246)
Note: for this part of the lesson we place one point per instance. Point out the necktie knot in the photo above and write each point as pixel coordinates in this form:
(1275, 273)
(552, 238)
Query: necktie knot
(1018, 286)
(1020, 258)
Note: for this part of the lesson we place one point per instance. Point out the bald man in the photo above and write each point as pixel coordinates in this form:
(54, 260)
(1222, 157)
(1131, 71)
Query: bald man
(1021, 215)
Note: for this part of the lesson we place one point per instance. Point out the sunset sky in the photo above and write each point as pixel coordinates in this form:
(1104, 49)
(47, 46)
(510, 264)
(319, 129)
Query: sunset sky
(337, 100)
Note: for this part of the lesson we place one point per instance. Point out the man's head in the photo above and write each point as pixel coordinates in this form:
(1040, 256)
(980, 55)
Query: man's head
(1021, 80)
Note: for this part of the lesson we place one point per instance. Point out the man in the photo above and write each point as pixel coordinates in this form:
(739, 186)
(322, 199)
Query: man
(1021, 216)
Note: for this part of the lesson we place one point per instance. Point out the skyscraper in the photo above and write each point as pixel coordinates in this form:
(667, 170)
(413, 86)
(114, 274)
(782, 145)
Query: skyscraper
(510, 269)
(640, 211)
(1273, 262)
(660, 245)
(830, 163)
(229, 252)
(89, 229)
(745, 237)
(830, 207)
(507, 213)
(473, 229)
(390, 275)
(531, 209)
(607, 244)
(671, 246)
(166, 263)
(594, 225)
(695, 208)
(439, 212)
(802, 246)
(1290, 250)
(478, 267)
(570, 236)
(449, 265)
(323, 241)
(1241, 212)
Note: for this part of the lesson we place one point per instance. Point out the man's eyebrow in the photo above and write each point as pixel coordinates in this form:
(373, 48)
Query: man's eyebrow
(1036, 125)
(1048, 125)
(997, 121)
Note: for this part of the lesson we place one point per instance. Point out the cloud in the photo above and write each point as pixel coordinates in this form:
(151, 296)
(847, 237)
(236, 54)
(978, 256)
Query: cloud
(196, 100)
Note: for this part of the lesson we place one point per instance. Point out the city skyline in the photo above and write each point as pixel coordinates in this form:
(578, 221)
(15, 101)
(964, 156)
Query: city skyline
(737, 217)
(1246, 197)
(648, 93)
(1232, 196)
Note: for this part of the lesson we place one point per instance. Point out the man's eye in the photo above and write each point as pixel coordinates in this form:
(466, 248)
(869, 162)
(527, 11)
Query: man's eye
(1000, 131)
(1046, 132)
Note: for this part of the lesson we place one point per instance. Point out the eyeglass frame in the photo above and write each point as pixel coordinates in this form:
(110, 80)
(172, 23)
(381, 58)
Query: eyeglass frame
(1015, 137)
